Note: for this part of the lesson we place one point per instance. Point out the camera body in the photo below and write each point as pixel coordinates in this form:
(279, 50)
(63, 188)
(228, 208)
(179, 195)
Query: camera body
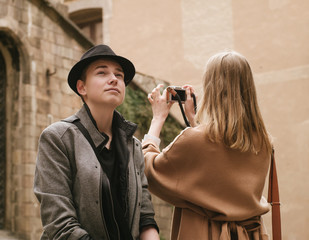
(179, 90)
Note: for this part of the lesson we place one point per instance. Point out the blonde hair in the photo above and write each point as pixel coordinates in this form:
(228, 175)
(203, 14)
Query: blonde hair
(229, 105)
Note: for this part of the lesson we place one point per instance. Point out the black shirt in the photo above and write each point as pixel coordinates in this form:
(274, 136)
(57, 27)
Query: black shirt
(110, 164)
(114, 164)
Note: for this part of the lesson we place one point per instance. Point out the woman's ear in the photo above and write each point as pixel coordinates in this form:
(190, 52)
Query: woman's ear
(80, 86)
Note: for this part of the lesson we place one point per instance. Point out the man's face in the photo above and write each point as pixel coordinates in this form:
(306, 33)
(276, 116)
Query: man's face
(104, 84)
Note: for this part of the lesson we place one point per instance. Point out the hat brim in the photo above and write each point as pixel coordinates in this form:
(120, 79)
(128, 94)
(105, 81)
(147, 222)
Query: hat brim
(77, 70)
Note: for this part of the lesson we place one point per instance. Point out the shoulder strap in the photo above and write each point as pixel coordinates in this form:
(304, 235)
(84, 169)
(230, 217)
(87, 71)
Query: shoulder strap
(87, 136)
(273, 198)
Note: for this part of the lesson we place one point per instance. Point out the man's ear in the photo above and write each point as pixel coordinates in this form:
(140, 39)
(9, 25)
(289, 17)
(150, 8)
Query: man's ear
(80, 86)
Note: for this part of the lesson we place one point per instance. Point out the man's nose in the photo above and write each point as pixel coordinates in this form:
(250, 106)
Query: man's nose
(113, 79)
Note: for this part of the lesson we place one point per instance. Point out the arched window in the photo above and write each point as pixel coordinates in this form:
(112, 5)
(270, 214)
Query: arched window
(90, 22)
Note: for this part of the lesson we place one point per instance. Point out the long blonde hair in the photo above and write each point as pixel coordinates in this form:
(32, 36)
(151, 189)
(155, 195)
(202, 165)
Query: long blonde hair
(229, 105)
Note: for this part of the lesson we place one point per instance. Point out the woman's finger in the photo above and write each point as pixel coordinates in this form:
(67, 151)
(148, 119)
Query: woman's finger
(150, 99)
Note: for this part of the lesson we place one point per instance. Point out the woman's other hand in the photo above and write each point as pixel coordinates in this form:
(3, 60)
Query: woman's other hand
(189, 105)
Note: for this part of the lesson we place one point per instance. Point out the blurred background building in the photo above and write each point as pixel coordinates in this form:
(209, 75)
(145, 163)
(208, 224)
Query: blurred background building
(170, 42)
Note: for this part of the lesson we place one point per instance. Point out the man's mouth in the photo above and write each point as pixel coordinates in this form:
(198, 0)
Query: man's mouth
(113, 90)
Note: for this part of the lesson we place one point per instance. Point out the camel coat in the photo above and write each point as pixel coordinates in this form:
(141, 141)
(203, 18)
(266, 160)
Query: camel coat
(216, 191)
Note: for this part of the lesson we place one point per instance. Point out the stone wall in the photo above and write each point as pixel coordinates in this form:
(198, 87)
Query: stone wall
(39, 48)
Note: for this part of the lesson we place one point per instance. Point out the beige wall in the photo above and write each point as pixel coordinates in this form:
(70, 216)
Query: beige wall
(172, 40)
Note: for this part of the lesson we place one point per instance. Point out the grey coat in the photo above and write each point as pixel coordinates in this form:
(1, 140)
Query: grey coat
(68, 181)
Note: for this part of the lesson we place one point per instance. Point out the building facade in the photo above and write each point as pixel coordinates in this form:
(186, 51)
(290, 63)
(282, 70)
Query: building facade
(40, 40)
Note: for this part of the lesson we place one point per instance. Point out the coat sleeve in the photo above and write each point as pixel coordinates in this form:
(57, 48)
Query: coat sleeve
(169, 172)
(161, 174)
(147, 212)
(53, 188)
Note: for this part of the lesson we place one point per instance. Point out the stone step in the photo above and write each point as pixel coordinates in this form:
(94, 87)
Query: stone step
(6, 235)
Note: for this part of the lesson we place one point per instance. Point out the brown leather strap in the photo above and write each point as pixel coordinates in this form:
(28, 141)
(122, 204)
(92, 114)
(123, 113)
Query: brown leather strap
(273, 199)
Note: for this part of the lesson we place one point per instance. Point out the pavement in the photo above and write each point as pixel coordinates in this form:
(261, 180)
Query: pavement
(5, 235)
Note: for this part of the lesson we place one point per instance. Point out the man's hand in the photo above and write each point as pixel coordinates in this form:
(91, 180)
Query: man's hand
(149, 233)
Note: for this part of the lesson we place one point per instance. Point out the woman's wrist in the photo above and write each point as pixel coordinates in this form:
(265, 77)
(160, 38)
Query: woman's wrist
(156, 126)
(155, 139)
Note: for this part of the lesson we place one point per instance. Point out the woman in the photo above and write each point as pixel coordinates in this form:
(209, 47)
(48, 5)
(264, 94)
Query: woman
(213, 173)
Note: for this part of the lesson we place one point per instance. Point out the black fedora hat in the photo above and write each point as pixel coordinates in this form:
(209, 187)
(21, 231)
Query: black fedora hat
(97, 52)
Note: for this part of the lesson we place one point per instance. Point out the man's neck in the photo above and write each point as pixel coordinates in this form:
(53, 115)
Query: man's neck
(103, 117)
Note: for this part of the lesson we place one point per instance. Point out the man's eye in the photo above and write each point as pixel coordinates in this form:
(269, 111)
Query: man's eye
(101, 72)
(119, 75)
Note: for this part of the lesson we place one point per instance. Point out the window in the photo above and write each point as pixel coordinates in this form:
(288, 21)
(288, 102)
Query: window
(90, 22)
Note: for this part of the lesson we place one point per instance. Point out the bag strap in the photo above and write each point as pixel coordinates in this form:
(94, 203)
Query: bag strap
(87, 136)
(273, 198)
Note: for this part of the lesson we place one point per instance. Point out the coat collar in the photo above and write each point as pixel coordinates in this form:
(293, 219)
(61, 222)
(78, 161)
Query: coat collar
(100, 139)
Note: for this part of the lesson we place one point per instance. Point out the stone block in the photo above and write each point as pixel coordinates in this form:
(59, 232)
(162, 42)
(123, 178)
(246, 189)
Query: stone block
(3, 9)
(76, 102)
(27, 101)
(65, 88)
(25, 17)
(67, 99)
(16, 182)
(35, 42)
(68, 63)
(66, 111)
(28, 171)
(25, 196)
(30, 143)
(40, 93)
(18, 4)
(16, 157)
(41, 119)
(17, 14)
(49, 58)
(23, 224)
(54, 84)
(37, 32)
(28, 210)
(29, 130)
(29, 157)
(29, 118)
(17, 171)
(60, 39)
(29, 90)
(55, 109)
(67, 52)
(41, 80)
(27, 182)
(43, 106)
(56, 96)
(38, 20)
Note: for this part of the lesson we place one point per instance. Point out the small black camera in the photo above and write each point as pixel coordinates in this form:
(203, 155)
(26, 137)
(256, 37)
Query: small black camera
(181, 92)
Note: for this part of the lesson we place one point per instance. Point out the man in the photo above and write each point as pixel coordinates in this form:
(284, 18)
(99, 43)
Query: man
(89, 174)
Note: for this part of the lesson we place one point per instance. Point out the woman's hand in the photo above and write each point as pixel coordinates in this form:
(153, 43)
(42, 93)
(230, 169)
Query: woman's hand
(189, 105)
(160, 110)
(159, 105)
